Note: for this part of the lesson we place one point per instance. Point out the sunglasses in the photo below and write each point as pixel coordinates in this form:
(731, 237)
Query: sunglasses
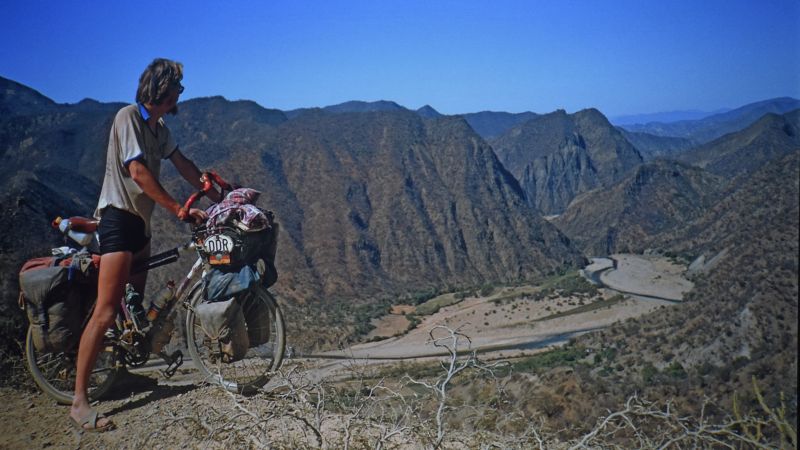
(180, 88)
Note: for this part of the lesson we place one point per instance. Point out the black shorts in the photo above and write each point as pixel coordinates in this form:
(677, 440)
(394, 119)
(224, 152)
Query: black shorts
(121, 231)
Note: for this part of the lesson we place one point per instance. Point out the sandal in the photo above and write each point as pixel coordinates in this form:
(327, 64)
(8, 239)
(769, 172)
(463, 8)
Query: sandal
(91, 419)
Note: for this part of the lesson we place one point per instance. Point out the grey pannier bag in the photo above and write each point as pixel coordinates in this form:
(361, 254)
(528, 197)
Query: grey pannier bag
(224, 325)
(57, 297)
(244, 285)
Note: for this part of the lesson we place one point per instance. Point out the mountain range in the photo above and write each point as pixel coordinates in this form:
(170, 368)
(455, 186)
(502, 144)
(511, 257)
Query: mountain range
(664, 195)
(769, 137)
(378, 202)
(663, 117)
(651, 146)
(701, 131)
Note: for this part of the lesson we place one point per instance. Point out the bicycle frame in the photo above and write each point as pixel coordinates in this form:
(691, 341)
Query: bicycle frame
(136, 343)
(169, 257)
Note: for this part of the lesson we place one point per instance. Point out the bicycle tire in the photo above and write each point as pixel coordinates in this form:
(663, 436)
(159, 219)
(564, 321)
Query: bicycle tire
(54, 373)
(259, 363)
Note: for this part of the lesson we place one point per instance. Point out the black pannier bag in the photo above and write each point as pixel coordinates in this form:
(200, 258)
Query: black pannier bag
(57, 296)
(247, 248)
(257, 315)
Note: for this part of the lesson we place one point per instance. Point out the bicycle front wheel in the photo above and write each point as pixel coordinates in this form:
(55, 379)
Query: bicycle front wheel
(263, 358)
(54, 373)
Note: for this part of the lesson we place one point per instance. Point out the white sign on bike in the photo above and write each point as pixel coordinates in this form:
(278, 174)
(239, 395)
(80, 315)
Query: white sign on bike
(219, 247)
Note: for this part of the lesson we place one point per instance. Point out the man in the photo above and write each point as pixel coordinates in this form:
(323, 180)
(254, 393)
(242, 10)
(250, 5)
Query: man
(138, 141)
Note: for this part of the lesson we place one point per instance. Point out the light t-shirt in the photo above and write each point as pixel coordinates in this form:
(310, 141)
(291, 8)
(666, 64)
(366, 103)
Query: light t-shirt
(131, 139)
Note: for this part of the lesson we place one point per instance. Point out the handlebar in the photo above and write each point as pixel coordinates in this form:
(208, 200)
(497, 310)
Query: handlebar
(208, 179)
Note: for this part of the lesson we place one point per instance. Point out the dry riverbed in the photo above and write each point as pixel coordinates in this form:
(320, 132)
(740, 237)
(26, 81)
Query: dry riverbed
(515, 322)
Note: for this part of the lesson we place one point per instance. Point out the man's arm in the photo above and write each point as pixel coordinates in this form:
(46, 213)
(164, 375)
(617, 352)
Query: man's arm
(153, 189)
(191, 173)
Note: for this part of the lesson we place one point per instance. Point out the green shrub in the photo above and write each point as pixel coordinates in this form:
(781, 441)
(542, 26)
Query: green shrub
(675, 370)
(566, 356)
(649, 372)
(487, 290)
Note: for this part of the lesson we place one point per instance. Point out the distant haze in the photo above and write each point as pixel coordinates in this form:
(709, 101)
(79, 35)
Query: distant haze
(669, 116)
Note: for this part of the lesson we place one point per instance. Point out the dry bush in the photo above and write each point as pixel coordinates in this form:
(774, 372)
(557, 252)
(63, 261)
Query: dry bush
(303, 412)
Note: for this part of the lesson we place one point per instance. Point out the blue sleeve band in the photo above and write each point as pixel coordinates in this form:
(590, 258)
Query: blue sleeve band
(171, 153)
(135, 158)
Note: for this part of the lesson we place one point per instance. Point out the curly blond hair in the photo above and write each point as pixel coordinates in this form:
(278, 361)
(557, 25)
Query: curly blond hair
(157, 80)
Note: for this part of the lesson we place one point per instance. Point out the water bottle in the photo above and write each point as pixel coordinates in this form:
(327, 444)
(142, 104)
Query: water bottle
(133, 301)
(81, 238)
(161, 300)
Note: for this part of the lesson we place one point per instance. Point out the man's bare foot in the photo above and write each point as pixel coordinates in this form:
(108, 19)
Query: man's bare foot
(88, 419)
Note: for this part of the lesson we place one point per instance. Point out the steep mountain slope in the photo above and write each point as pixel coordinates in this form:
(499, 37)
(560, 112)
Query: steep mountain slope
(17, 99)
(51, 154)
(390, 202)
(746, 151)
(29, 201)
(745, 307)
(717, 125)
(37, 132)
(655, 197)
(558, 156)
(206, 128)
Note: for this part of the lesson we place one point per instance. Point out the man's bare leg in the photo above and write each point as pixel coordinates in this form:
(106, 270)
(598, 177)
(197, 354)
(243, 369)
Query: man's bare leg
(114, 272)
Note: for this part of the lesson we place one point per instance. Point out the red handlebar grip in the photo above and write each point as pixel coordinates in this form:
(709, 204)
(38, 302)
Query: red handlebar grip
(193, 198)
(207, 179)
(220, 182)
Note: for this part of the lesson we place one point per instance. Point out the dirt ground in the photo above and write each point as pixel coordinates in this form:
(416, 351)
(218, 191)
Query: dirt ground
(138, 405)
(151, 412)
(648, 275)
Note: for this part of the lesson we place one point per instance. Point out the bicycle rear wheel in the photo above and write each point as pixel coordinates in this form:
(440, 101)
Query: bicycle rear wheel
(54, 373)
(259, 363)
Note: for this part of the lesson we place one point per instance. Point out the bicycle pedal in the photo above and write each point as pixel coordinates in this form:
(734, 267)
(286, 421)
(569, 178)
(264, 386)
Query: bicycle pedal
(173, 361)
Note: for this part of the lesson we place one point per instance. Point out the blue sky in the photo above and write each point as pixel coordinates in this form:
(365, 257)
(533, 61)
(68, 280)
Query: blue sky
(622, 57)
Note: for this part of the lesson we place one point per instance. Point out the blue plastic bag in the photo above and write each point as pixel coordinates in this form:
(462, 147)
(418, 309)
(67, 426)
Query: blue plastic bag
(221, 285)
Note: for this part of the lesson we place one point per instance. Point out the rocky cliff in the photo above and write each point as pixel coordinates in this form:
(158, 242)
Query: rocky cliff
(558, 156)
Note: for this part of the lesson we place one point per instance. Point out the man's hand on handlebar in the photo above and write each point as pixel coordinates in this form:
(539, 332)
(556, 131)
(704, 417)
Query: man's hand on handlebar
(187, 214)
(195, 215)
